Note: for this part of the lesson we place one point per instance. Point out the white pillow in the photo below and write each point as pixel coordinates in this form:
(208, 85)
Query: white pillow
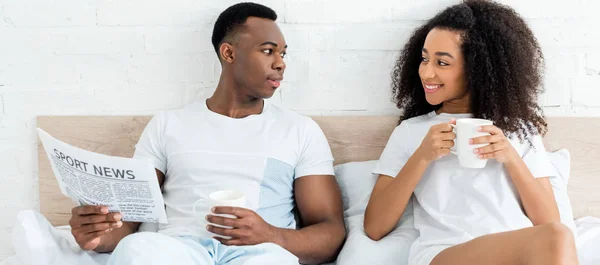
(561, 160)
(356, 182)
(393, 249)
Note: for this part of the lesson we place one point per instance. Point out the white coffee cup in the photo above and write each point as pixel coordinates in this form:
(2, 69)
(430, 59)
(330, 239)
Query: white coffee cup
(465, 130)
(219, 198)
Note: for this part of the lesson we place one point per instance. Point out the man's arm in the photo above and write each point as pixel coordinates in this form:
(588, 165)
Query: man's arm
(319, 203)
(319, 240)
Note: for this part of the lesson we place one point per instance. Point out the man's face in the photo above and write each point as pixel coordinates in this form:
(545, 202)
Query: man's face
(259, 50)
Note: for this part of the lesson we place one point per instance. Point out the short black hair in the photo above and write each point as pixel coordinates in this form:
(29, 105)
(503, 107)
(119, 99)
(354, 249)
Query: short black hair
(234, 17)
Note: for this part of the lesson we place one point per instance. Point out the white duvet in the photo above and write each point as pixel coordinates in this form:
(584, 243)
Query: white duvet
(37, 242)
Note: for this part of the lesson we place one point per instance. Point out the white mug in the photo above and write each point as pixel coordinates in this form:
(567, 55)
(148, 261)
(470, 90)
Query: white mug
(219, 198)
(465, 130)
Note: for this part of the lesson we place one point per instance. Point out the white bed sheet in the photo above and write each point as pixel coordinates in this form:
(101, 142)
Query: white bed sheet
(36, 242)
(588, 240)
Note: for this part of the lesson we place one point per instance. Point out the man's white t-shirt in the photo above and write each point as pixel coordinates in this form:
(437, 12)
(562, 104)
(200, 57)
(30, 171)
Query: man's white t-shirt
(453, 204)
(261, 155)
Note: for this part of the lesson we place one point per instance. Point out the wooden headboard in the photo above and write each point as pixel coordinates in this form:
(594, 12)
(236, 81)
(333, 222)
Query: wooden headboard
(352, 138)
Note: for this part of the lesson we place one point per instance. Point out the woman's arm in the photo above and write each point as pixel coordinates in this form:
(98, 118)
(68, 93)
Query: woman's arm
(390, 195)
(536, 194)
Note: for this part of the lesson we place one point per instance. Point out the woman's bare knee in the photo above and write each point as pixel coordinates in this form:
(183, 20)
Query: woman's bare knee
(554, 244)
(558, 236)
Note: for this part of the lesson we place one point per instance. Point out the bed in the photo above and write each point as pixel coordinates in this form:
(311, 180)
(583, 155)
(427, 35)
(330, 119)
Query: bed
(352, 138)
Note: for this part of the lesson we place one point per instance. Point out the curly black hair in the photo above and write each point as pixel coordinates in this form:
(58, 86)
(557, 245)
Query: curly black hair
(503, 67)
(233, 19)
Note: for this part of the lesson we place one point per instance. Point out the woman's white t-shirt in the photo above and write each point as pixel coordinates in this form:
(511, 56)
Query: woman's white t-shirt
(455, 204)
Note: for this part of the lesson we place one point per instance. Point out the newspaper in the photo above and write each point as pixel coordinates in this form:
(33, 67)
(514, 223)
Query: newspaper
(125, 185)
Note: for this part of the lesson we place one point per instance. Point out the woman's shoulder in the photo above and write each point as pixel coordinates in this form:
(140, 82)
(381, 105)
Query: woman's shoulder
(413, 127)
(424, 119)
(530, 141)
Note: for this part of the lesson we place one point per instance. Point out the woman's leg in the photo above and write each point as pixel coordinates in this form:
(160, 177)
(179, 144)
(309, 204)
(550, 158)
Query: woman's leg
(549, 244)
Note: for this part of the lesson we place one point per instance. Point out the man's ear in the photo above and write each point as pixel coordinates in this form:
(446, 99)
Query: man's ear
(227, 52)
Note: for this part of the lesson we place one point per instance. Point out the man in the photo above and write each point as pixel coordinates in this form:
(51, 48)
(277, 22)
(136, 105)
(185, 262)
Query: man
(234, 140)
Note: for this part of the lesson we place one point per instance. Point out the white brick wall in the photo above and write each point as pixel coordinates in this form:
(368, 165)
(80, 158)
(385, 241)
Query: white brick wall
(138, 56)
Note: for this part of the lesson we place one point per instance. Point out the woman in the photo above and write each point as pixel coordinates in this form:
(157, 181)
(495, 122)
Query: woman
(475, 59)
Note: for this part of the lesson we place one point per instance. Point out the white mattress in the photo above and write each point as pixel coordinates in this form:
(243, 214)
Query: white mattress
(56, 245)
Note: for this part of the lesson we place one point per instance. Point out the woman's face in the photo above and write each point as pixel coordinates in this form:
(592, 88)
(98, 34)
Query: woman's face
(442, 68)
